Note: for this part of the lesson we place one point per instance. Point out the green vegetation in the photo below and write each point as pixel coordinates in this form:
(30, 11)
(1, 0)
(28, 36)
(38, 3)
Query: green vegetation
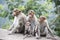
(6, 26)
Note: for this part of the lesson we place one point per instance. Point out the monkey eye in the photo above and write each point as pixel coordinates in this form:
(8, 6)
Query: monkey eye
(14, 11)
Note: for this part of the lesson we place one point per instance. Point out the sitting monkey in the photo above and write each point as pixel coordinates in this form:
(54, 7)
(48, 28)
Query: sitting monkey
(43, 29)
(19, 21)
(33, 21)
(28, 28)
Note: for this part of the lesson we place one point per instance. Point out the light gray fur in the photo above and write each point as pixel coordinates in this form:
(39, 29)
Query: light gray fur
(20, 19)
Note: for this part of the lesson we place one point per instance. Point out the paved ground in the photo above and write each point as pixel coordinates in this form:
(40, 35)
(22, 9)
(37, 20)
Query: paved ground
(4, 36)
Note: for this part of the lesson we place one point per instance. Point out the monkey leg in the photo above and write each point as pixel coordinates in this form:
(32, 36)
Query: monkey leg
(37, 34)
(33, 30)
(13, 30)
(49, 36)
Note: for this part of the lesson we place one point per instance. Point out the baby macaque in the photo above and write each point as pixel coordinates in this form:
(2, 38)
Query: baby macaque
(33, 20)
(19, 21)
(43, 28)
(28, 28)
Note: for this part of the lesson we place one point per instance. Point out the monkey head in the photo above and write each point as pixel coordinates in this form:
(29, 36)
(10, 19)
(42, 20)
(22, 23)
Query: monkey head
(31, 12)
(42, 18)
(28, 23)
(16, 12)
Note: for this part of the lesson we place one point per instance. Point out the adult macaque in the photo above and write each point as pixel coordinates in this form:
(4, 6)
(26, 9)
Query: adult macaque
(19, 21)
(43, 28)
(33, 20)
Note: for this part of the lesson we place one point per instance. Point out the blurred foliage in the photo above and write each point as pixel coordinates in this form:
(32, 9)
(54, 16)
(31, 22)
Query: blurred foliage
(41, 7)
(6, 26)
(21, 7)
(1, 7)
(57, 24)
(4, 14)
(57, 2)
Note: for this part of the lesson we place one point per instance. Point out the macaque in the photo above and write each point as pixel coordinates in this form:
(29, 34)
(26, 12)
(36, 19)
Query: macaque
(19, 21)
(33, 21)
(28, 28)
(42, 28)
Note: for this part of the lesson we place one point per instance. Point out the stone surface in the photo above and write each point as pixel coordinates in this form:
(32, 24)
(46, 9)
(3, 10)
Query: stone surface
(4, 36)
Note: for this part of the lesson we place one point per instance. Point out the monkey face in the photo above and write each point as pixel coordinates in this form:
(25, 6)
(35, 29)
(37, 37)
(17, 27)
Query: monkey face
(42, 18)
(16, 12)
(31, 12)
(27, 23)
(30, 17)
